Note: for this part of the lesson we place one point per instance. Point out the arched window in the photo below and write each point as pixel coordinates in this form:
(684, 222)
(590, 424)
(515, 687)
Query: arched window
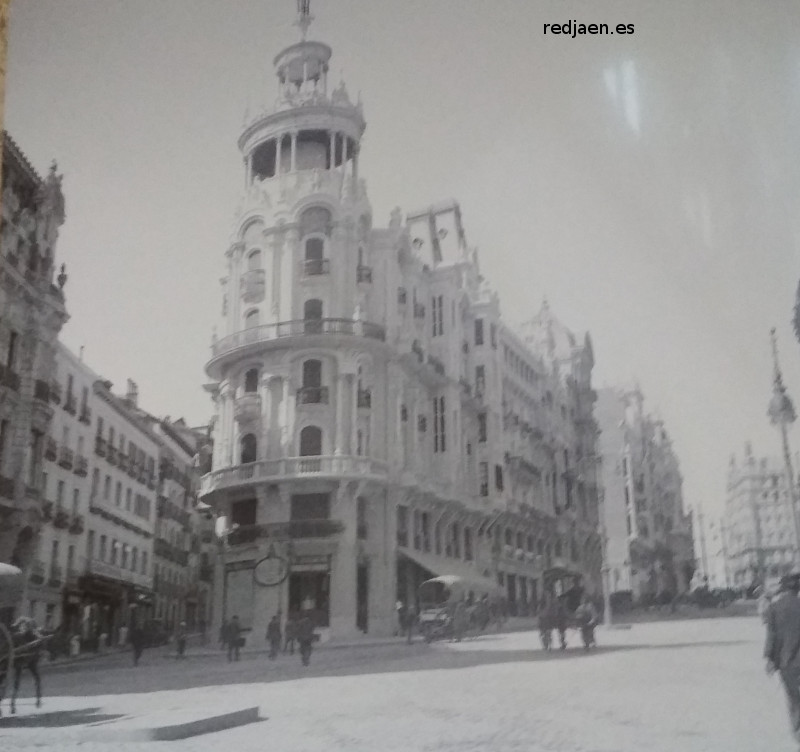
(251, 319)
(251, 380)
(249, 448)
(312, 313)
(311, 441)
(315, 219)
(254, 260)
(312, 374)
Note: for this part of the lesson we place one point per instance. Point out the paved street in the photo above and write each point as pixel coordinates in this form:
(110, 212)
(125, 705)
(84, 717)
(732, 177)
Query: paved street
(691, 686)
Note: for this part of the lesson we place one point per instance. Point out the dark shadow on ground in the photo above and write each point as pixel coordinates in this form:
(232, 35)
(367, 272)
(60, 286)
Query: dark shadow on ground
(157, 674)
(56, 719)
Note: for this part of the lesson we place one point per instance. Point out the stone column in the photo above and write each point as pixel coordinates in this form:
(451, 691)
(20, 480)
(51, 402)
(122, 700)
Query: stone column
(332, 160)
(354, 414)
(294, 152)
(277, 260)
(287, 277)
(278, 144)
(274, 392)
(344, 153)
(343, 575)
(341, 388)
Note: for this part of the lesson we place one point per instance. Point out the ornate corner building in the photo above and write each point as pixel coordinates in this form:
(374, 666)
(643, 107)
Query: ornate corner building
(759, 540)
(376, 421)
(650, 543)
(33, 312)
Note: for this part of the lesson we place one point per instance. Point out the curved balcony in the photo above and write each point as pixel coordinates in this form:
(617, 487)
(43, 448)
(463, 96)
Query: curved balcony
(293, 468)
(269, 333)
(247, 407)
(253, 286)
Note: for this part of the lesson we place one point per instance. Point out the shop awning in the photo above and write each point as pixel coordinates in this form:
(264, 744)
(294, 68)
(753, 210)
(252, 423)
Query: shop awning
(437, 565)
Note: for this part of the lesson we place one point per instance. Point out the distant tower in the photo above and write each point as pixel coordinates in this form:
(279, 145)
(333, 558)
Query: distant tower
(782, 414)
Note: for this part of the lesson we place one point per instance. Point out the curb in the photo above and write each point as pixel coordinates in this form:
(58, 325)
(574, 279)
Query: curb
(106, 732)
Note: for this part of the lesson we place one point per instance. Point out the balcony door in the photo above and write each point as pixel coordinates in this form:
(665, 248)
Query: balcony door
(312, 315)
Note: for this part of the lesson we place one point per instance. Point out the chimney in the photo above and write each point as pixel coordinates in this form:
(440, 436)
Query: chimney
(132, 395)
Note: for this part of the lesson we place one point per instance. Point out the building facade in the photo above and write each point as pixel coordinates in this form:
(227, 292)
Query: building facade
(370, 424)
(649, 537)
(759, 535)
(33, 312)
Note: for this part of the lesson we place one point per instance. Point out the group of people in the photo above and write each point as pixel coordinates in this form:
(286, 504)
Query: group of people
(299, 629)
(555, 615)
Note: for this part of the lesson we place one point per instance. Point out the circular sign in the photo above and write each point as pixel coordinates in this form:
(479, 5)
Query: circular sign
(272, 570)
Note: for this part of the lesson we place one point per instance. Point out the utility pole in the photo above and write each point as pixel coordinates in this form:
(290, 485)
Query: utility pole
(782, 414)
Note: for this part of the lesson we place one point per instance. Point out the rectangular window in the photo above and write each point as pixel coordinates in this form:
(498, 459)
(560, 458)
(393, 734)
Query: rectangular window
(437, 319)
(128, 500)
(144, 562)
(60, 493)
(3, 442)
(480, 380)
(90, 545)
(118, 494)
(100, 427)
(34, 468)
(124, 556)
(70, 560)
(76, 500)
(439, 434)
(467, 544)
(134, 559)
(483, 470)
(478, 331)
(111, 436)
(402, 526)
(54, 555)
(498, 477)
(114, 550)
(84, 400)
(11, 353)
(493, 335)
(482, 432)
(44, 485)
(103, 553)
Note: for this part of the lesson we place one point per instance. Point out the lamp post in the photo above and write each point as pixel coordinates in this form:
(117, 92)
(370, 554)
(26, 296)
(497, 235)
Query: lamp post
(782, 414)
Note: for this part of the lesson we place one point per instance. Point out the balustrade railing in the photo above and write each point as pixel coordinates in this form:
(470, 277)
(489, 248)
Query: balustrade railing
(296, 529)
(297, 328)
(292, 466)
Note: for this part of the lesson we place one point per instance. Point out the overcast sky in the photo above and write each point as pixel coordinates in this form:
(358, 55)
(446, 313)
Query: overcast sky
(648, 185)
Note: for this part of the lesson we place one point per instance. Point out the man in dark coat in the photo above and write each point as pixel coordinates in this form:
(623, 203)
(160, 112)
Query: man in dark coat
(305, 636)
(274, 636)
(233, 638)
(782, 648)
(136, 637)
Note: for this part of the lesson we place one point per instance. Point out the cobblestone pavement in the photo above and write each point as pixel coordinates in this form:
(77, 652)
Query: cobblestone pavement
(694, 686)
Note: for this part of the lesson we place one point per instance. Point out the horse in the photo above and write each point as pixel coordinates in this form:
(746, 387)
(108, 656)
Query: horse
(28, 645)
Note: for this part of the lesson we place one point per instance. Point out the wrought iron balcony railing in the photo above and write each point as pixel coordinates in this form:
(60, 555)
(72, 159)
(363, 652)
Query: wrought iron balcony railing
(296, 529)
(312, 395)
(315, 267)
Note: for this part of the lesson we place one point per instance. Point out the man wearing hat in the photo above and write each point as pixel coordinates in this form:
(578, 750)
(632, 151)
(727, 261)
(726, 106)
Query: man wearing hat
(782, 648)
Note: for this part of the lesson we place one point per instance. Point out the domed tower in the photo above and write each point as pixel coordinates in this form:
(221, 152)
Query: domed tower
(299, 371)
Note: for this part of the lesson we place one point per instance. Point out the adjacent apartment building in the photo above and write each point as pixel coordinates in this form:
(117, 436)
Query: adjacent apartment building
(376, 421)
(650, 546)
(32, 313)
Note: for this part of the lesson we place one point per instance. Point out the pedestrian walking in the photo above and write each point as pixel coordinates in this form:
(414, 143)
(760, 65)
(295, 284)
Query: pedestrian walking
(274, 636)
(180, 640)
(305, 637)
(586, 618)
(561, 622)
(290, 635)
(233, 638)
(782, 647)
(548, 619)
(136, 638)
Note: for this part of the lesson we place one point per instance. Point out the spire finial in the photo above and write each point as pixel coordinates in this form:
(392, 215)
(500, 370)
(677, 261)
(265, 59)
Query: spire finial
(304, 17)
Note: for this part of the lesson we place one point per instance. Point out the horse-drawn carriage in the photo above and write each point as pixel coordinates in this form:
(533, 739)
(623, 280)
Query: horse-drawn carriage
(21, 644)
(452, 606)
